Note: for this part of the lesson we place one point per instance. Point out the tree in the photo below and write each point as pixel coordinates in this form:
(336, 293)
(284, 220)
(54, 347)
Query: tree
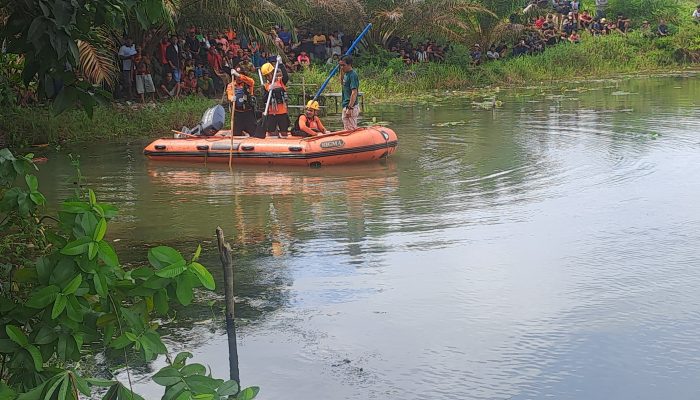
(60, 42)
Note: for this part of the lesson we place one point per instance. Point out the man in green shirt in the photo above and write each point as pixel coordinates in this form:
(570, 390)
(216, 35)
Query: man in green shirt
(351, 87)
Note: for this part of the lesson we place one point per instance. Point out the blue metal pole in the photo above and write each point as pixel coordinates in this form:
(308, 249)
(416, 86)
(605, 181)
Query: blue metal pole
(347, 53)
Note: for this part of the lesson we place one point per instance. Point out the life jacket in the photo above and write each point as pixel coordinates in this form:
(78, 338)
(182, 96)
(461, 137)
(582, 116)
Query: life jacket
(244, 100)
(310, 123)
(278, 102)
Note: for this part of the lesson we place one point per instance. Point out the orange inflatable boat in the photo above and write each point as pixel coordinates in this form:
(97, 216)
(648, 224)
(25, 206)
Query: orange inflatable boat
(344, 147)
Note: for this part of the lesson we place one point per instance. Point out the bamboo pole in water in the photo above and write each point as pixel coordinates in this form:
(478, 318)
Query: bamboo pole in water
(225, 253)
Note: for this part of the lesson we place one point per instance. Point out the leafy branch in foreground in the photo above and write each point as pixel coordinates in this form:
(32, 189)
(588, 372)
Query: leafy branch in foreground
(71, 294)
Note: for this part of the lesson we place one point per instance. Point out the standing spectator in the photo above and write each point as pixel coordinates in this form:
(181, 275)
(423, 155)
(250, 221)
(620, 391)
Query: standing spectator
(351, 87)
(126, 54)
(336, 45)
(319, 41)
(144, 81)
(162, 52)
(696, 15)
(662, 29)
(172, 55)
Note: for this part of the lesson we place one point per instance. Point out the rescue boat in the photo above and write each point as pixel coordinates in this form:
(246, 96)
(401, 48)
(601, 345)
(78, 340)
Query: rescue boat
(343, 147)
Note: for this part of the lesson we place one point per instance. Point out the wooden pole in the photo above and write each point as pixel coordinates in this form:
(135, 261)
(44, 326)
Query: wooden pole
(227, 262)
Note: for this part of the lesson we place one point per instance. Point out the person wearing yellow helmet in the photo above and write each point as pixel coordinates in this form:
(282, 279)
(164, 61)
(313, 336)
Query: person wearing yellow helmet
(308, 123)
(278, 113)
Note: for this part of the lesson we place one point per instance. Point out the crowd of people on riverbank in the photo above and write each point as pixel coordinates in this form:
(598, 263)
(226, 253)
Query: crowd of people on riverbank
(563, 21)
(195, 63)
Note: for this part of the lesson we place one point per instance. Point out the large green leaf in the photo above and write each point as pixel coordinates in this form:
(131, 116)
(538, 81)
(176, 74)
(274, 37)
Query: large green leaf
(203, 275)
(194, 369)
(32, 182)
(16, 335)
(36, 357)
(180, 358)
(77, 247)
(248, 393)
(162, 256)
(73, 285)
(43, 297)
(59, 305)
(75, 207)
(228, 388)
(107, 254)
(185, 289)
(201, 383)
(167, 376)
(74, 310)
(45, 335)
(100, 230)
(100, 283)
(172, 270)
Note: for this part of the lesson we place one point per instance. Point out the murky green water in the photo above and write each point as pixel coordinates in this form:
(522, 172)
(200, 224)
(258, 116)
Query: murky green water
(549, 248)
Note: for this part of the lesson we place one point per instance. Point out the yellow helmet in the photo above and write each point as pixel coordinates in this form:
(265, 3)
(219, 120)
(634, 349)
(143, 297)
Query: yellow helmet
(313, 105)
(267, 69)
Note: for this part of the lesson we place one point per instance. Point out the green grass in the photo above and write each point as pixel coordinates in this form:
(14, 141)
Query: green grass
(38, 125)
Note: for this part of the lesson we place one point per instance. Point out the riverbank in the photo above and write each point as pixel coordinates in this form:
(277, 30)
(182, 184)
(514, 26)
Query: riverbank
(595, 57)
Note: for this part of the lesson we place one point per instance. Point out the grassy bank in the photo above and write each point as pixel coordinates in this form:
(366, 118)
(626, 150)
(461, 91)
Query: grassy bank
(595, 57)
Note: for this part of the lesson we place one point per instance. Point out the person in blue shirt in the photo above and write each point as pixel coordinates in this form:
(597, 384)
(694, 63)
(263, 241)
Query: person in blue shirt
(285, 36)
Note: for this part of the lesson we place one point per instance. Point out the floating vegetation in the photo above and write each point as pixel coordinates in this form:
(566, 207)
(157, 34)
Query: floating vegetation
(452, 123)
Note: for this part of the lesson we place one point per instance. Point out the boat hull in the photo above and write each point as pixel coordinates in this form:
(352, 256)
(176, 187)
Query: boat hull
(345, 147)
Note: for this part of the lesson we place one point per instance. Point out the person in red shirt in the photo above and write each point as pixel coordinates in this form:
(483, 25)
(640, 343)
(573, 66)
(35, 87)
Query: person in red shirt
(539, 22)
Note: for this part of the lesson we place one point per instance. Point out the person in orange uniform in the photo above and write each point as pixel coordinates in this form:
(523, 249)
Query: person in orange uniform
(239, 92)
(278, 113)
(308, 123)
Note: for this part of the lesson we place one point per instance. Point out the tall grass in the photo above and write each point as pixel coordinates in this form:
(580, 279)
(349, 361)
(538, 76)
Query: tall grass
(38, 125)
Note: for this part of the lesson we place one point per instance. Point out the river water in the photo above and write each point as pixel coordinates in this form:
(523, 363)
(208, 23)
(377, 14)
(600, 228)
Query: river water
(547, 248)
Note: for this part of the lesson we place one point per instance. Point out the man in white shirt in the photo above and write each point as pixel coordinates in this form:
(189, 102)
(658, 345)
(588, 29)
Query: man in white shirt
(696, 15)
(126, 54)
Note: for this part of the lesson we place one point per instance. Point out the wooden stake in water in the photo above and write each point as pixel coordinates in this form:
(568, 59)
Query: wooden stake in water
(225, 253)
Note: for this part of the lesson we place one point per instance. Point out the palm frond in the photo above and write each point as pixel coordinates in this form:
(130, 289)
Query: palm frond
(96, 63)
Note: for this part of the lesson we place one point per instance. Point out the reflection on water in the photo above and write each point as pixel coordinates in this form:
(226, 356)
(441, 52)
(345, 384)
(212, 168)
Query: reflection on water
(548, 248)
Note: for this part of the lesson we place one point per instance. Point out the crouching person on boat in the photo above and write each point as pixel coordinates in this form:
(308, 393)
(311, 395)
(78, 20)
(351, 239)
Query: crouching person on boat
(278, 115)
(239, 92)
(308, 123)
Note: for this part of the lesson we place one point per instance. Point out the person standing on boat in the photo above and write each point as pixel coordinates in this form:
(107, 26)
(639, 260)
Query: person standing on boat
(239, 92)
(351, 87)
(309, 124)
(278, 113)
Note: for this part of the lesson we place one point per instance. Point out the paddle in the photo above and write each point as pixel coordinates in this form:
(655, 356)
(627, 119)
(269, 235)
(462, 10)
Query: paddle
(347, 53)
(260, 129)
